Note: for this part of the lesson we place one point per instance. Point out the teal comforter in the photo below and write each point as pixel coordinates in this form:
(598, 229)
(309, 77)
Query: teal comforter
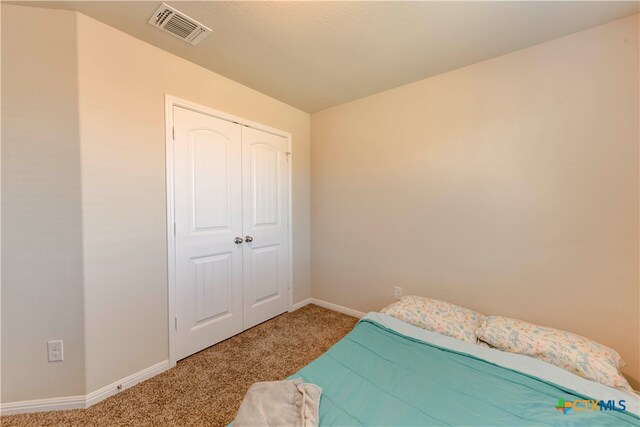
(376, 376)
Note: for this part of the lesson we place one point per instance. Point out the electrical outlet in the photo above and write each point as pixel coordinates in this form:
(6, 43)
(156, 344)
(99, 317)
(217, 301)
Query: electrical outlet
(56, 351)
(398, 292)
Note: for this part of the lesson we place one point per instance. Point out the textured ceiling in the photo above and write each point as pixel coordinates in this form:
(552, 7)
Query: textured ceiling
(314, 55)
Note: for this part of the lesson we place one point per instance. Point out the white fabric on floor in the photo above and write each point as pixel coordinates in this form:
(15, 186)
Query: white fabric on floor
(280, 403)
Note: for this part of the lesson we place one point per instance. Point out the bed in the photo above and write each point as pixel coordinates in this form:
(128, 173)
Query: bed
(388, 372)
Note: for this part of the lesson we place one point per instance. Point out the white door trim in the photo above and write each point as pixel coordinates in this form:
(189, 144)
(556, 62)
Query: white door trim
(170, 102)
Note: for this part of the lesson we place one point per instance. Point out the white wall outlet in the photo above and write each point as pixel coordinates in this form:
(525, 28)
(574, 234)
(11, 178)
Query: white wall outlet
(56, 351)
(397, 293)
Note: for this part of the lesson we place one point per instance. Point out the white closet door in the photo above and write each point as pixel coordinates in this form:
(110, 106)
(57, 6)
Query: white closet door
(208, 216)
(265, 211)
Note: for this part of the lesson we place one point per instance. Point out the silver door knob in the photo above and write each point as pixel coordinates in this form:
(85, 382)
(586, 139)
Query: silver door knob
(248, 239)
(238, 240)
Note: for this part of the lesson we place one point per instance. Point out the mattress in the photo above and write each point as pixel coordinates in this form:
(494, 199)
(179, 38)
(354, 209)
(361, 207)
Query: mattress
(387, 372)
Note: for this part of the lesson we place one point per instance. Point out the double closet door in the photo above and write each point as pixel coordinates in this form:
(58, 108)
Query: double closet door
(231, 228)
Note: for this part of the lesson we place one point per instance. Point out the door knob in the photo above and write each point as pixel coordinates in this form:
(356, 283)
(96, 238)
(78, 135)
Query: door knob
(248, 239)
(238, 240)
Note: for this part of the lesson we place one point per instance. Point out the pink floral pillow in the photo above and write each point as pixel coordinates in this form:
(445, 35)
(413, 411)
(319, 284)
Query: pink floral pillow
(573, 353)
(437, 316)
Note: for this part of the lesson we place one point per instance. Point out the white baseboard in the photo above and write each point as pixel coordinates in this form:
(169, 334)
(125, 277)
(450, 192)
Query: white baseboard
(40, 405)
(338, 308)
(328, 305)
(300, 304)
(82, 402)
(111, 389)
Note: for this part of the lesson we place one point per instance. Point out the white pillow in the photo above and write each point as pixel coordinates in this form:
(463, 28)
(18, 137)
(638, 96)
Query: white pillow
(571, 352)
(437, 316)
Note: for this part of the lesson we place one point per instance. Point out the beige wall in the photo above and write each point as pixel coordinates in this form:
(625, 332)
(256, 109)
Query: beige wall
(83, 180)
(122, 86)
(509, 186)
(41, 217)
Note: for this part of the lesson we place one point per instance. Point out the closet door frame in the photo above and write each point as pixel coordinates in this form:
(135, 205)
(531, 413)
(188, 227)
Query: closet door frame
(170, 103)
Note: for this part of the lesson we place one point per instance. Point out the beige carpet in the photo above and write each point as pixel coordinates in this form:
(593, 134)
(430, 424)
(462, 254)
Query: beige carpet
(207, 388)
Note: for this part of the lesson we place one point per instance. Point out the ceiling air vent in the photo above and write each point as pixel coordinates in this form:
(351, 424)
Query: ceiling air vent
(180, 25)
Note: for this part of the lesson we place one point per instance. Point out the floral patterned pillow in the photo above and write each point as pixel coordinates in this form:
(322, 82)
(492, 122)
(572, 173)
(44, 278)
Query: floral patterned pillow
(437, 316)
(573, 353)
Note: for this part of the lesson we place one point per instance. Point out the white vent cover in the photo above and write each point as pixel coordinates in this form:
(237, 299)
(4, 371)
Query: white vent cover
(180, 25)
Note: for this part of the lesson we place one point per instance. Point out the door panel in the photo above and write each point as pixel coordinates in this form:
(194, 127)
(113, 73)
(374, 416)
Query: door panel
(265, 210)
(211, 192)
(265, 177)
(212, 280)
(208, 215)
(265, 273)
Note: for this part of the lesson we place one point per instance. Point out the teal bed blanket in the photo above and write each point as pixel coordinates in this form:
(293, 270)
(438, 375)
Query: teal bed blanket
(377, 376)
